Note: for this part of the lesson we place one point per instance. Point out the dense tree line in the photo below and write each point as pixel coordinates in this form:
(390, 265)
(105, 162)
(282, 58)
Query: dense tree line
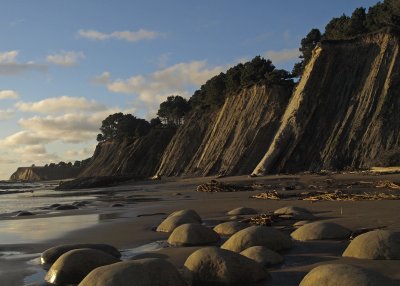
(258, 70)
(383, 14)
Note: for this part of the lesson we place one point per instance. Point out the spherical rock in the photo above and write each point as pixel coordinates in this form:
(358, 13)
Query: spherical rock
(141, 272)
(301, 223)
(377, 244)
(242, 211)
(215, 266)
(263, 255)
(294, 213)
(66, 207)
(320, 230)
(230, 227)
(178, 218)
(258, 236)
(74, 265)
(342, 274)
(50, 255)
(192, 234)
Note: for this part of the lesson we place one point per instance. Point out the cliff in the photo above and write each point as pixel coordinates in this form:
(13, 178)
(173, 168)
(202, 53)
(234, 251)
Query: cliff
(344, 112)
(138, 157)
(45, 173)
(230, 140)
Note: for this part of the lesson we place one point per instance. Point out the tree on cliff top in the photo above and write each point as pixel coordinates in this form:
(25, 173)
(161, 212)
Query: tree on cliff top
(119, 125)
(172, 111)
(307, 46)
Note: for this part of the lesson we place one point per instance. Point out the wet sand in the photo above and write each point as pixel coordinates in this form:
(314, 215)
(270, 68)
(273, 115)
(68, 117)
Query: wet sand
(146, 204)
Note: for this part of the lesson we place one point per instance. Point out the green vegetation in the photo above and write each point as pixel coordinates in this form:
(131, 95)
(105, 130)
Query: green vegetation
(383, 14)
(172, 111)
(258, 70)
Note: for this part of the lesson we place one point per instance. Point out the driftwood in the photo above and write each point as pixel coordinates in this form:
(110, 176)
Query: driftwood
(328, 196)
(265, 219)
(215, 186)
(388, 185)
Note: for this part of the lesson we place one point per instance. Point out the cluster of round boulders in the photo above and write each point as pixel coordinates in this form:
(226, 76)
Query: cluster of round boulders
(178, 218)
(141, 272)
(50, 255)
(242, 211)
(191, 234)
(215, 266)
(263, 255)
(74, 265)
(377, 244)
(320, 230)
(343, 274)
(294, 213)
(229, 228)
(258, 236)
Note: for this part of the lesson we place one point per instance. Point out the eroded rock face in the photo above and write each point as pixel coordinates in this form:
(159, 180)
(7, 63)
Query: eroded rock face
(192, 235)
(263, 255)
(258, 236)
(178, 218)
(215, 266)
(230, 227)
(345, 98)
(74, 265)
(377, 244)
(141, 272)
(50, 255)
(230, 140)
(344, 274)
(321, 230)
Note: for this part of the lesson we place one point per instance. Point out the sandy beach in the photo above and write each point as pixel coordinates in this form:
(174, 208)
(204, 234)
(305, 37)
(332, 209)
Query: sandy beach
(130, 227)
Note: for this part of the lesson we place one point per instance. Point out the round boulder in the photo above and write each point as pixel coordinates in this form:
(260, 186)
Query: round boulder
(294, 213)
(66, 207)
(50, 255)
(377, 244)
(343, 274)
(178, 218)
(230, 227)
(242, 211)
(215, 266)
(192, 234)
(263, 255)
(320, 230)
(301, 223)
(141, 272)
(74, 265)
(258, 236)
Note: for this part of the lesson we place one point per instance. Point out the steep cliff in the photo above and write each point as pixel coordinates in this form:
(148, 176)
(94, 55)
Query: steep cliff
(137, 157)
(230, 140)
(344, 112)
(44, 173)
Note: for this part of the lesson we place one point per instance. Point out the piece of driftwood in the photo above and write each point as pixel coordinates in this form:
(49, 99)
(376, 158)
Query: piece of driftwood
(215, 186)
(265, 219)
(387, 185)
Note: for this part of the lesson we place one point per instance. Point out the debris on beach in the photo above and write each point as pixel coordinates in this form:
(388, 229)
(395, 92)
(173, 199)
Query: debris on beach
(215, 186)
(336, 195)
(264, 219)
(388, 185)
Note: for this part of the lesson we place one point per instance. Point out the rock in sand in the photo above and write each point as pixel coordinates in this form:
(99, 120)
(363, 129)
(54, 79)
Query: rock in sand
(242, 211)
(192, 234)
(294, 213)
(263, 255)
(178, 218)
(230, 227)
(321, 230)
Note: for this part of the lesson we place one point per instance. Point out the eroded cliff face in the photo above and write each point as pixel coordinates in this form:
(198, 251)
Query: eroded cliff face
(344, 112)
(138, 157)
(44, 173)
(230, 140)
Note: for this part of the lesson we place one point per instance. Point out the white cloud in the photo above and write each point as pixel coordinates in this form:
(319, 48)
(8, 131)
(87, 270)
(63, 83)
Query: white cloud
(23, 138)
(60, 104)
(8, 94)
(83, 153)
(65, 58)
(31, 149)
(9, 65)
(284, 55)
(8, 57)
(104, 78)
(130, 36)
(178, 79)
(6, 114)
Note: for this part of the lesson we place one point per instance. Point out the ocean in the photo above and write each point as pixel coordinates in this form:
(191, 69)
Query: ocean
(17, 196)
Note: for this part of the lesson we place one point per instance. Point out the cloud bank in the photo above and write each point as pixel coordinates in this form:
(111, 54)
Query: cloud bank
(130, 36)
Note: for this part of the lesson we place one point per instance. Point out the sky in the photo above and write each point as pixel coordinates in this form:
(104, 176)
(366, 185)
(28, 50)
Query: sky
(66, 65)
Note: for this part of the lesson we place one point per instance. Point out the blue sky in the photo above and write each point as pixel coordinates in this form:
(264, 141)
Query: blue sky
(65, 65)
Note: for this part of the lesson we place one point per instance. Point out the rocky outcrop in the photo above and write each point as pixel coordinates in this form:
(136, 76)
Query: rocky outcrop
(45, 173)
(230, 140)
(343, 111)
(137, 157)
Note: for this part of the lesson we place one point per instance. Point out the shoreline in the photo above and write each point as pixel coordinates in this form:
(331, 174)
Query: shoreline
(123, 228)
